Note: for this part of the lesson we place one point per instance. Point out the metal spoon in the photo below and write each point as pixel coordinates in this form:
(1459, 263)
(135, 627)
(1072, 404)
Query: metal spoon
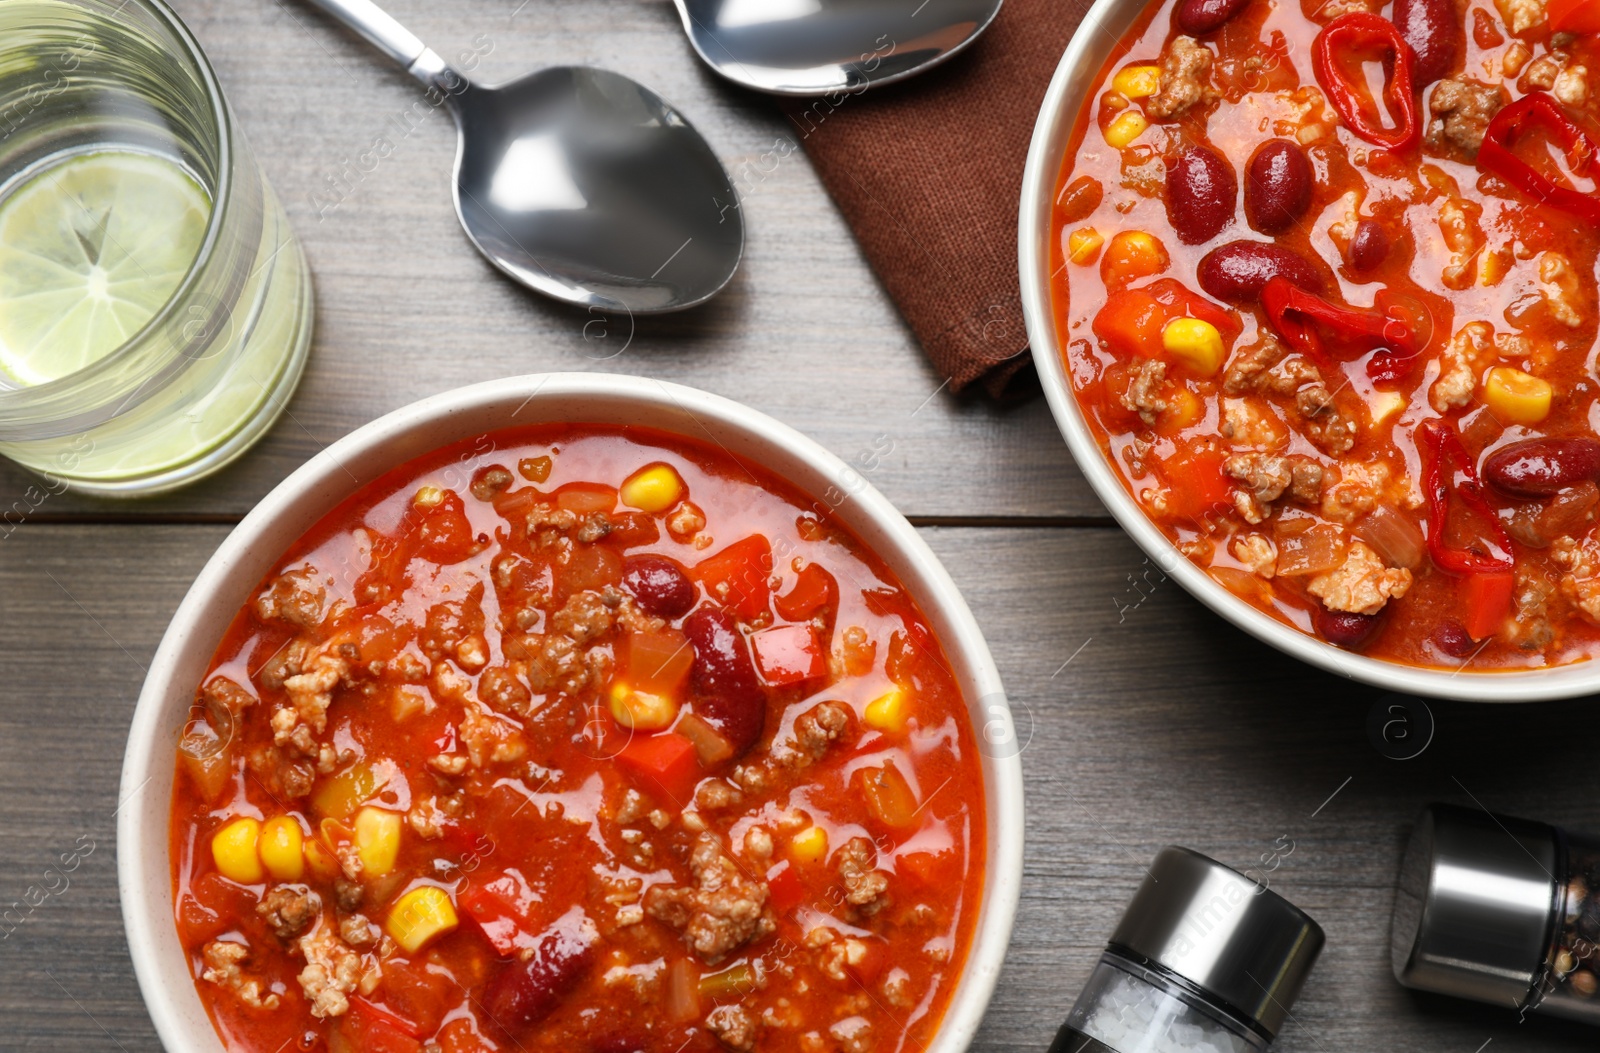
(820, 47)
(579, 183)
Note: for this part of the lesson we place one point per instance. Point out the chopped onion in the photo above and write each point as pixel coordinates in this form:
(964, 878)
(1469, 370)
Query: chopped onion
(1395, 539)
(1313, 550)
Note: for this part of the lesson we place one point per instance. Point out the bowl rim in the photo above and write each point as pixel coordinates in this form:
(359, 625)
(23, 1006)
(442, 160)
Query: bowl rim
(146, 897)
(1102, 28)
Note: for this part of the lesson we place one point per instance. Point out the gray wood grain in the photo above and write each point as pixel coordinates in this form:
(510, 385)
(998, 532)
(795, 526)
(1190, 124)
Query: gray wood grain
(1148, 721)
(406, 308)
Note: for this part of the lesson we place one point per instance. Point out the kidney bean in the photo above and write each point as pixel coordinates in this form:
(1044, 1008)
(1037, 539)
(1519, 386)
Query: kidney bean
(525, 991)
(1196, 17)
(1201, 194)
(1453, 640)
(1541, 467)
(1369, 247)
(727, 691)
(1435, 32)
(659, 585)
(1343, 629)
(1235, 272)
(1277, 186)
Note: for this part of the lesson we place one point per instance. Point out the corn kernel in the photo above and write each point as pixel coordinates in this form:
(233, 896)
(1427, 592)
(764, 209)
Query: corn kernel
(1137, 82)
(377, 840)
(653, 489)
(1132, 254)
(234, 849)
(420, 916)
(888, 712)
(282, 848)
(641, 710)
(428, 497)
(1083, 245)
(1385, 404)
(1125, 128)
(1195, 344)
(809, 845)
(324, 865)
(1515, 396)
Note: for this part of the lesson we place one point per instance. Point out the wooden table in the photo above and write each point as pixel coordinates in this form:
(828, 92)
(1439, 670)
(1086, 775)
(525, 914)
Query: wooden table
(1149, 721)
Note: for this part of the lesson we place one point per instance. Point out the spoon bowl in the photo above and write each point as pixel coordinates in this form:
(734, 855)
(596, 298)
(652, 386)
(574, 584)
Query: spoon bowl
(580, 183)
(821, 47)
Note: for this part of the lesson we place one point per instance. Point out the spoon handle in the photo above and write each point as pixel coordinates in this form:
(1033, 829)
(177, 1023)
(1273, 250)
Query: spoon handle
(388, 36)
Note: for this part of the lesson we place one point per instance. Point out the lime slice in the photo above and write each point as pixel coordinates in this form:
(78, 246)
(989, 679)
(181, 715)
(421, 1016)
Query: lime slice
(89, 251)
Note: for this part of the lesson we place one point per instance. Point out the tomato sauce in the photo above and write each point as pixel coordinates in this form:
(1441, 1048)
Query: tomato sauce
(576, 737)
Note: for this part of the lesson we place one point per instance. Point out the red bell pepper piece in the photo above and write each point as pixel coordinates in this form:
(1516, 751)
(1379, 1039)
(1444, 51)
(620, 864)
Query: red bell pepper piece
(1363, 31)
(1574, 16)
(1488, 596)
(784, 888)
(737, 576)
(380, 1031)
(666, 764)
(788, 654)
(1447, 469)
(814, 589)
(494, 906)
(1303, 319)
(1182, 302)
(1497, 154)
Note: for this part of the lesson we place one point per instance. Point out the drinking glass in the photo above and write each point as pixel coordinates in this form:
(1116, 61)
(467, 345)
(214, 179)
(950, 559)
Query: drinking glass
(101, 98)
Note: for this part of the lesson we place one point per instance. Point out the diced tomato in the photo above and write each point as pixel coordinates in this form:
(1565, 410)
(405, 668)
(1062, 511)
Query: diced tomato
(586, 498)
(210, 906)
(497, 918)
(1131, 322)
(889, 797)
(1198, 487)
(1487, 596)
(657, 663)
(1574, 16)
(444, 534)
(378, 1031)
(814, 589)
(788, 654)
(1183, 302)
(737, 576)
(872, 963)
(928, 868)
(665, 763)
(784, 888)
(461, 1036)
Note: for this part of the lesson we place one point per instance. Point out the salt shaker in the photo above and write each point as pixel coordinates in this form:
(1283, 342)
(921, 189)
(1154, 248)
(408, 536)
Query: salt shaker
(1500, 910)
(1205, 960)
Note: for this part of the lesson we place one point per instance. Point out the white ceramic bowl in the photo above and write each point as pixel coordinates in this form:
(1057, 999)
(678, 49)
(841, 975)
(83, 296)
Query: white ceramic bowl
(1075, 78)
(249, 553)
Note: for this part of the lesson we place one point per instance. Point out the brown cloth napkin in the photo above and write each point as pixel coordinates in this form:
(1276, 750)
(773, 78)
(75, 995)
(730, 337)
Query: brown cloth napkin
(928, 173)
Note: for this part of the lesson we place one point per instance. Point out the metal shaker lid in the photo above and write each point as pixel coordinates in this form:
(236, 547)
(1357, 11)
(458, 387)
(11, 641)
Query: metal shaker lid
(1476, 901)
(1238, 941)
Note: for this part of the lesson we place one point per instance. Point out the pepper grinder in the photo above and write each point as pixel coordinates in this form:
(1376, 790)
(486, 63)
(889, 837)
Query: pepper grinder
(1205, 960)
(1500, 910)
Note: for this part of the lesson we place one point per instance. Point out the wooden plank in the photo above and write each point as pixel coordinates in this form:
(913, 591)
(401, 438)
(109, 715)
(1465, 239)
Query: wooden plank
(406, 307)
(1148, 722)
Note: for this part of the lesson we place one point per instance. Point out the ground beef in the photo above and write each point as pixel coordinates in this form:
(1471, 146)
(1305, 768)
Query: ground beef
(1185, 75)
(1324, 425)
(1256, 552)
(816, 729)
(1521, 14)
(310, 695)
(289, 909)
(548, 661)
(866, 887)
(226, 699)
(585, 616)
(1560, 287)
(1362, 584)
(1265, 477)
(593, 527)
(333, 973)
(685, 521)
(853, 1033)
(295, 596)
(499, 688)
(723, 911)
(490, 740)
(1467, 354)
(1143, 394)
(225, 961)
(1462, 109)
(491, 482)
(734, 1025)
(1249, 365)
(357, 931)
(448, 624)
(1251, 422)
